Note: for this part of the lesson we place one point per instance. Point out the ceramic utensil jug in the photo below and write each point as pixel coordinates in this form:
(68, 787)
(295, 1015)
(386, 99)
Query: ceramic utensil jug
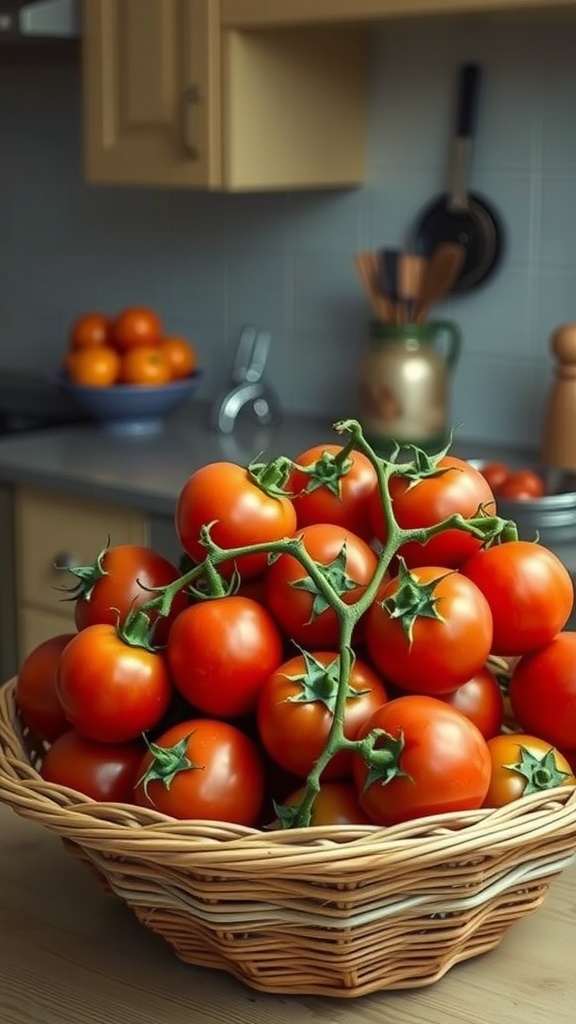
(404, 383)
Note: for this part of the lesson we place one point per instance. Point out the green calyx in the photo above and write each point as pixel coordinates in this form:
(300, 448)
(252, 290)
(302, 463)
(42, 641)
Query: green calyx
(137, 630)
(320, 683)
(335, 576)
(422, 464)
(271, 477)
(87, 576)
(412, 600)
(540, 773)
(166, 763)
(326, 472)
(382, 753)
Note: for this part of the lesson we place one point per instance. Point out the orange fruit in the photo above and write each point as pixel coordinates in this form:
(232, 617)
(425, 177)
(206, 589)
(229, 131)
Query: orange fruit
(145, 365)
(89, 330)
(181, 355)
(135, 326)
(97, 367)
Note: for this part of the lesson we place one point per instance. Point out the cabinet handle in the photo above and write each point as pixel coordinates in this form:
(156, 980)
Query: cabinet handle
(190, 101)
(65, 560)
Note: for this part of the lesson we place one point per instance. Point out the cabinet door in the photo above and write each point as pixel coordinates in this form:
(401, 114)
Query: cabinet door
(55, 530)
(151, 72)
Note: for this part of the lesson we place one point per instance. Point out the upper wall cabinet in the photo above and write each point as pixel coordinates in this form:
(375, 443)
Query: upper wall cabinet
(294, 12)
(170, 99)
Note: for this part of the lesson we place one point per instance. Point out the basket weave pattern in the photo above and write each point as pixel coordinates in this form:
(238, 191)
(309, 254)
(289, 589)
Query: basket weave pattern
(339, 912)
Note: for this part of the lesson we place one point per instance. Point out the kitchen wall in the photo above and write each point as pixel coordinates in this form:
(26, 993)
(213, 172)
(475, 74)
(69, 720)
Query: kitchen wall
(211, 263)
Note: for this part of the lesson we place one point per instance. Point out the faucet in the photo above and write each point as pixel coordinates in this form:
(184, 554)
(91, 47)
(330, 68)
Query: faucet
(248, 387)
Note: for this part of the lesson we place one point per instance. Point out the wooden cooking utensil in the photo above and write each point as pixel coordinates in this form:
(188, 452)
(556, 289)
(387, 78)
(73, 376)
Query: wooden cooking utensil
(410, 275)
(367, 266)
(442, 270)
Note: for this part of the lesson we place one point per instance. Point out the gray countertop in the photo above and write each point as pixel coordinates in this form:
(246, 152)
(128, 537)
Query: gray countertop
(149, 472)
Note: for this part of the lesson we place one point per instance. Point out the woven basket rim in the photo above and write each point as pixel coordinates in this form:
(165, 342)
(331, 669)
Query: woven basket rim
(73, 815)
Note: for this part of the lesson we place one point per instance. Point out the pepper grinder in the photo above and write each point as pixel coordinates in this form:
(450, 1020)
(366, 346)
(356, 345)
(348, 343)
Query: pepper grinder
(559, 441)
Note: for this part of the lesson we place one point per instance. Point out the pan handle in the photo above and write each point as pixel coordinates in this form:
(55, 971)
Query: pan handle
(469, 82)
(467, 100)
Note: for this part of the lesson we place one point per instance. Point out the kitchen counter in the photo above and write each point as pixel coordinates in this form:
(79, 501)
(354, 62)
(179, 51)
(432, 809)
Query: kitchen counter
(148, 472)
(72, 954)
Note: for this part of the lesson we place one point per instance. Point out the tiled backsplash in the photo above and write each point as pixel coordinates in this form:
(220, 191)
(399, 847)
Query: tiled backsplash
(210, 263)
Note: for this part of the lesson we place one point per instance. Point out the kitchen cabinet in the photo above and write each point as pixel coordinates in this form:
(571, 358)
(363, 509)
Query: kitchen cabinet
(56, 530)
(238, 95)
(171, 100)
(258, 13)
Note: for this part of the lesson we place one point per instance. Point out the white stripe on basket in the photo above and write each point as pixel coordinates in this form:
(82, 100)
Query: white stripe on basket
(255, 912)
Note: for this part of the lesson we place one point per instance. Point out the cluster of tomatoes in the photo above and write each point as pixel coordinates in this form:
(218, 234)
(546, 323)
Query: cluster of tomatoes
(254, 681)
(129, 348)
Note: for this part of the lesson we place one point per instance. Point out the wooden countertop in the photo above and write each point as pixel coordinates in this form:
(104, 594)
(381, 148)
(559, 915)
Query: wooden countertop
(74, 955)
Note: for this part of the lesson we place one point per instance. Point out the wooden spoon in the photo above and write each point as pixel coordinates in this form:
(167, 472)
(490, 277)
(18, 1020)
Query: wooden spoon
(441, 272)
(367, 266)
(410, 275)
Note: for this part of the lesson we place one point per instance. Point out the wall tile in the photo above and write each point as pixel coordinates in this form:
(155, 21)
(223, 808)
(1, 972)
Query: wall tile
(211, 263)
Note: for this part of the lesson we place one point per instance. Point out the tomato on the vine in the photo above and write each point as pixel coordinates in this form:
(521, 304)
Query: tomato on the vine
(420, 501)
(529, 590)
(102, 771)
(296, 710)
(238, 510)
(542, 691)
(524, 764)
(429, 631)
(220, 652)
(35, 692)
(481, 700)
(329, 491)
(112, 691)
(295, 599)
(336, 804)
(203, 768)
(433, 760)
(123, 578)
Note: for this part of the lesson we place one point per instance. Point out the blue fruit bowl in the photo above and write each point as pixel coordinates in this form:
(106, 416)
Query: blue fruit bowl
(130, 408)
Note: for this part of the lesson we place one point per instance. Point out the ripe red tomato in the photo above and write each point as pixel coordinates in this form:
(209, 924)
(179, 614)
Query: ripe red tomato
(220, 652)
(522, 484)
(293, 597)
(436, 646)
(455, 487)
(330, 495)
(214, 773)
(529, 591)
(443, 763)
(35, 691)
(337, 804)
(523, 764)
(495, 473)
(481, 700)
(296, 711)
(123, 578)
(542, 692)
(224, 494)
(102, 771)
(136, 325)
(110, 691)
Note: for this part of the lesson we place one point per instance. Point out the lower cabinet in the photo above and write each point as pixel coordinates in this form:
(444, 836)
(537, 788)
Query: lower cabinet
(53, 533)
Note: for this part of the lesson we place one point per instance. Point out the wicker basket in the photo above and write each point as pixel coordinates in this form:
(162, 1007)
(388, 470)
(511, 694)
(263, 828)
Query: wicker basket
(312, 911)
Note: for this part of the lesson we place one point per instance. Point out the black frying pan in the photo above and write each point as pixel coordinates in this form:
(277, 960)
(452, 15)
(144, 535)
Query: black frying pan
(460, 215)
